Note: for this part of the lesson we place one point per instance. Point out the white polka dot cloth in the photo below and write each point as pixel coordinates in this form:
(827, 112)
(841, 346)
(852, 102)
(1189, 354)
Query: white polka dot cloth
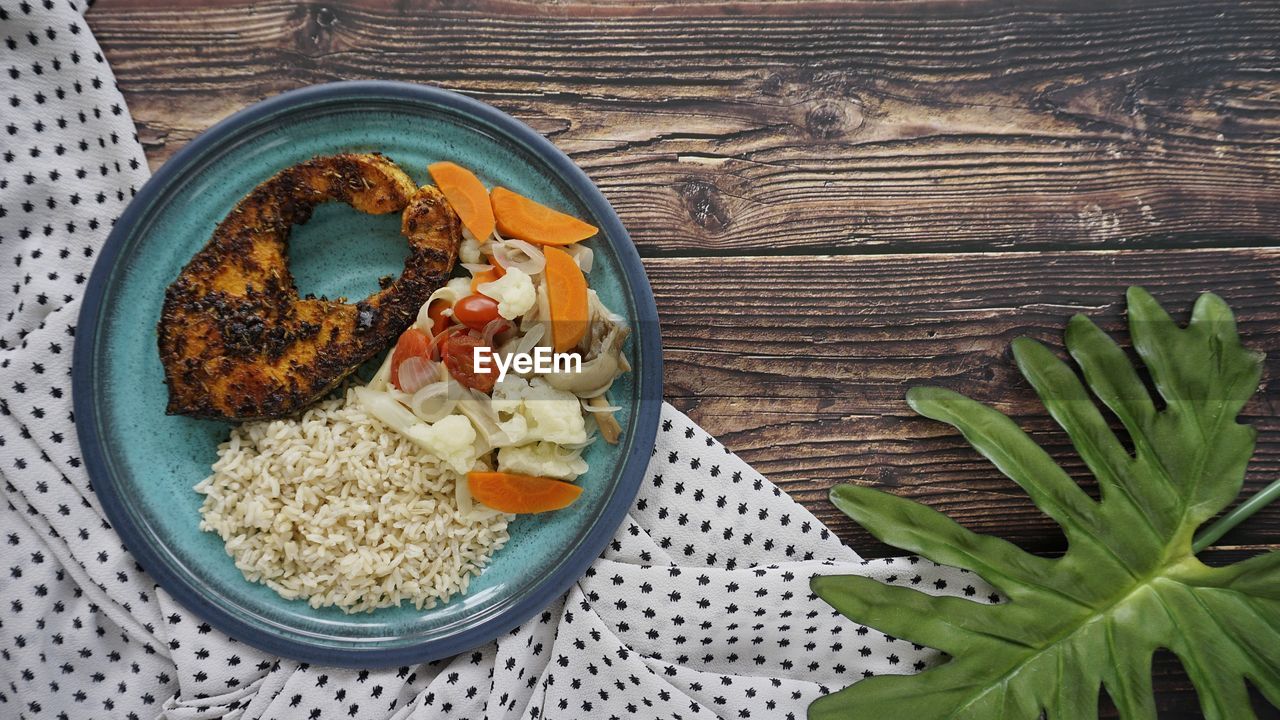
(700, 607)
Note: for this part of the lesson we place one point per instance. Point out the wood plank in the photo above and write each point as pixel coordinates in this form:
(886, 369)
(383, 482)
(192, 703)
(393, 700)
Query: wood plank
(800, 365)
(739, 129)
(720, 128)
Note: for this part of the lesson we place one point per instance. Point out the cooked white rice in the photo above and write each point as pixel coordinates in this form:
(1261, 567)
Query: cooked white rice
(338, 509)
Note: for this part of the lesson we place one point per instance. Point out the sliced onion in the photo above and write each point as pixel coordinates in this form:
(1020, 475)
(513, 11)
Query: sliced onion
(586, 405)
(416, 372)
(433, 350)
(462, 495)
(380, 378)
(583, 255)
(438, 371)
(608, 425)
(476, 268)
(496, 327)
(478, 408)
(434, 401)
(485, 402)
(450, 293)
(385, 408)
(399, 396)
(544, 306)
(484, 513)
(499, 258)
(526, 247)
(508, 256)
(529, 340)
(591, 438)
(529, 320)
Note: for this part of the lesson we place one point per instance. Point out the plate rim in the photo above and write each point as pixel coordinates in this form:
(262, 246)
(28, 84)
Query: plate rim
(634, 462)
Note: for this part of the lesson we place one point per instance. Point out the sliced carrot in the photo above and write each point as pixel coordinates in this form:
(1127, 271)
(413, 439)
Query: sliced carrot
(494, 264)
(467, 195)
(519, 217)
(493, 273)
(511, 493)
(485, 277)
(481, 278)
(566, 298)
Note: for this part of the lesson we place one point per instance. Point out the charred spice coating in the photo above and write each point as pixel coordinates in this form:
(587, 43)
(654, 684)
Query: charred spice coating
(236, 339)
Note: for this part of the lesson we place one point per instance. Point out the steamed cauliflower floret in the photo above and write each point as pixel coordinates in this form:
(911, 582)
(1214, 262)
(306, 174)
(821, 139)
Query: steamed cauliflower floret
(459, 286)
(533, 410)
(513, 291)
(542, 459)
(515, 426)
(452, 439)
(469, 250)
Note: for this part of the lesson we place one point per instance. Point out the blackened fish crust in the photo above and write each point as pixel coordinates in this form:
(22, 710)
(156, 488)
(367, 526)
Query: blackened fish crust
(236, 340)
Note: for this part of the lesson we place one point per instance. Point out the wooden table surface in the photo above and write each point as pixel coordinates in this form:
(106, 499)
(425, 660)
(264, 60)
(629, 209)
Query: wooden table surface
(838, 201)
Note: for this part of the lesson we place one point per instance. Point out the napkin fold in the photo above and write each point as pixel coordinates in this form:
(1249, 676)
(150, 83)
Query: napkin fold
(699, 608)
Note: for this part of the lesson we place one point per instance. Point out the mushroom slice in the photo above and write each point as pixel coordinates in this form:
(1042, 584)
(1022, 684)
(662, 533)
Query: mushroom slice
(599, 368)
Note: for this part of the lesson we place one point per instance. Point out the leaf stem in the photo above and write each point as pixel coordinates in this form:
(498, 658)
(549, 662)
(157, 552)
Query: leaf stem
(1222, 525)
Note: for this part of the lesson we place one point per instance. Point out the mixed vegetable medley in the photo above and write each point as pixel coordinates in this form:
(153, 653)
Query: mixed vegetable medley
(522, 290)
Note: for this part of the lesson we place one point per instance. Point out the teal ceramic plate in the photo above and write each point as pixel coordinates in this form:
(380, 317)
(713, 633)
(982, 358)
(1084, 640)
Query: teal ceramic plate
(144, 463)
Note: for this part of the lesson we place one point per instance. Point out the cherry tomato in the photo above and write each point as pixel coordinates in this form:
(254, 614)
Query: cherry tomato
(413, 343)
(459, 359)
(442, 340)
(475, 311)
(438, 320)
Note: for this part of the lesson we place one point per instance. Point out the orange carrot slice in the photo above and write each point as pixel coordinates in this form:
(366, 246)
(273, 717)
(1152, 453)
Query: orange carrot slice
(467, 195)
(566, 298)
(493, 273)
(481, 278)
(521, 218)
(494, 264)
(511, 493)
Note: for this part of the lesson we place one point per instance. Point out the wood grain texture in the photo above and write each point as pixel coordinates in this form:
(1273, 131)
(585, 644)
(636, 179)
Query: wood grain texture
(850, 128)
(807, 384)
(840, 200)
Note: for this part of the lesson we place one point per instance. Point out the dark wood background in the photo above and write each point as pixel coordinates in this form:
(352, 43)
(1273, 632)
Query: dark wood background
(838, 201)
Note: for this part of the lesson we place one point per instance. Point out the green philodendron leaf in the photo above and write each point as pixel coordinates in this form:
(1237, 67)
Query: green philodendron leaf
(1129, 582)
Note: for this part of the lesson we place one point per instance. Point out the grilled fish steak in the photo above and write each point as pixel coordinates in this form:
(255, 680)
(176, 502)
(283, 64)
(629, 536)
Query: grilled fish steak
(236, 339)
